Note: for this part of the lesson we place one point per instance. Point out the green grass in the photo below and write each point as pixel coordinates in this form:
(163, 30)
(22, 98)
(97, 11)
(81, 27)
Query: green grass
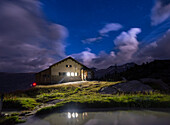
(10, 120)
(155, 100)
(19, 103)
(85, 95)
(49, 97)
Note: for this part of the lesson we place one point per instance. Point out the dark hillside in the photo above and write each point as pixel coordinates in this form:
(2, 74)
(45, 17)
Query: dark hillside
(103, 73)
(15, 81)
(158, 69)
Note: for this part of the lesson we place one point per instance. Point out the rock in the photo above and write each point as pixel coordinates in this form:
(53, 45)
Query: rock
(24, 113)
(126, 87)
(108, 90)
(55, 101)
(157, 84)
(133, 86)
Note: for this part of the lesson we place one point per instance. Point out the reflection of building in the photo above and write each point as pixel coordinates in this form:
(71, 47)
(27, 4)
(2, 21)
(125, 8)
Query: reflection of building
(65, 70)
(75, 118)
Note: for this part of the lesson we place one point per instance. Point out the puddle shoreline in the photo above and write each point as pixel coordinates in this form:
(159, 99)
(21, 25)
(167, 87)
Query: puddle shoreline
(95, 117)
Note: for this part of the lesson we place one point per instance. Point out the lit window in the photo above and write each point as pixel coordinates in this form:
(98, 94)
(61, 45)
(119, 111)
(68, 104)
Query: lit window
(68, 73)
(75, 73)
(72, 73)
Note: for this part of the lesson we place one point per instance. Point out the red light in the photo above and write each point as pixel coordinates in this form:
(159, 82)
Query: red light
(34, 84)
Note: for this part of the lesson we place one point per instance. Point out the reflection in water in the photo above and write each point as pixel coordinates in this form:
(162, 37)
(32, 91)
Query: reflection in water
(75, 118)
(73, 115)
(103, 118)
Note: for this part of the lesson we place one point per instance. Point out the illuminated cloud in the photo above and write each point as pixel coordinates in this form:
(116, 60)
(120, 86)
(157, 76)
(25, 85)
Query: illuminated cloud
(28, 42)
(126, 44)
(128, 50)
(85, 57)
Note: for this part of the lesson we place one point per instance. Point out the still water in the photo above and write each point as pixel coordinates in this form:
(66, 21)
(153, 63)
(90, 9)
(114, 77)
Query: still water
(131, 117)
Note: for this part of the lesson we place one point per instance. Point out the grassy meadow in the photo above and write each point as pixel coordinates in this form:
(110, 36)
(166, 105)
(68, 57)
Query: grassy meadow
(80, 96)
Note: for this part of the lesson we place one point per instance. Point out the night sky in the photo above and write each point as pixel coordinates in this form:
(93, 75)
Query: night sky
(37, 33)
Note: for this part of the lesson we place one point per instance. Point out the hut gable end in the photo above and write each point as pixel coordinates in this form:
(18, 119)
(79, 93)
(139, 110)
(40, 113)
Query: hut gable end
(66, 66)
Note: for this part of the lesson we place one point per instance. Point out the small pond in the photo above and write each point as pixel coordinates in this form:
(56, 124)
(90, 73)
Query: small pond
(131, 117)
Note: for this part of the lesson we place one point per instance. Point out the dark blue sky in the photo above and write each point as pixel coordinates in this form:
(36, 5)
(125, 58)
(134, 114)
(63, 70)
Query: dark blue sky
(83, 19)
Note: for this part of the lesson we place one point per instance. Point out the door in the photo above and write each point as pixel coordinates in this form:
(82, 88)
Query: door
(82, 74)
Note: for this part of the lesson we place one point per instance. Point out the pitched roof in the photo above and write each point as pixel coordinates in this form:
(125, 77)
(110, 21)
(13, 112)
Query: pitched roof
(71, 59)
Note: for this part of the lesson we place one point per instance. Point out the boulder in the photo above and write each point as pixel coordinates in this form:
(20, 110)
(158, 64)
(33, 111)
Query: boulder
(156, 84)
(108, 90)
(126, 87)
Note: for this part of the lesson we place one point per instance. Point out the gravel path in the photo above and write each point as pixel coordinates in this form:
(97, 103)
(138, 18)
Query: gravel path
(68, 83)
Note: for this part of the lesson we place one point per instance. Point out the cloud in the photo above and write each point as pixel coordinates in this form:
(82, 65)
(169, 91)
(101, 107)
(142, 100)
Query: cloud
(103, 32)
(28, 42)
(160, 12)
(110, 27)
(126, 44)
(90, 40)
(102, 60)
(156, 50)
(85, 57)
(128, 50)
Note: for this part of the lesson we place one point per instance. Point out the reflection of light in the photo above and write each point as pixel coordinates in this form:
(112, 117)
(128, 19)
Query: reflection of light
(83, 115)
(75, 73)
(68, 73)
(72, 73)
(76, 114)
(69, 115)
(72, 115)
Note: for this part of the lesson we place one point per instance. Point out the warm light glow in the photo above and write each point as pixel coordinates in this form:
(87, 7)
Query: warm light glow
(75, 73)
(34, 84)
(72, 73)
(68, 73)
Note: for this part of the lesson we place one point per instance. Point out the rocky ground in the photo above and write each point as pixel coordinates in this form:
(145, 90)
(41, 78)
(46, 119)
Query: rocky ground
(134, 86)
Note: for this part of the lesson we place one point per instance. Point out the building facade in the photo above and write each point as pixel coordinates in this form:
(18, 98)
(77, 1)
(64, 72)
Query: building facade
(66, 70)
